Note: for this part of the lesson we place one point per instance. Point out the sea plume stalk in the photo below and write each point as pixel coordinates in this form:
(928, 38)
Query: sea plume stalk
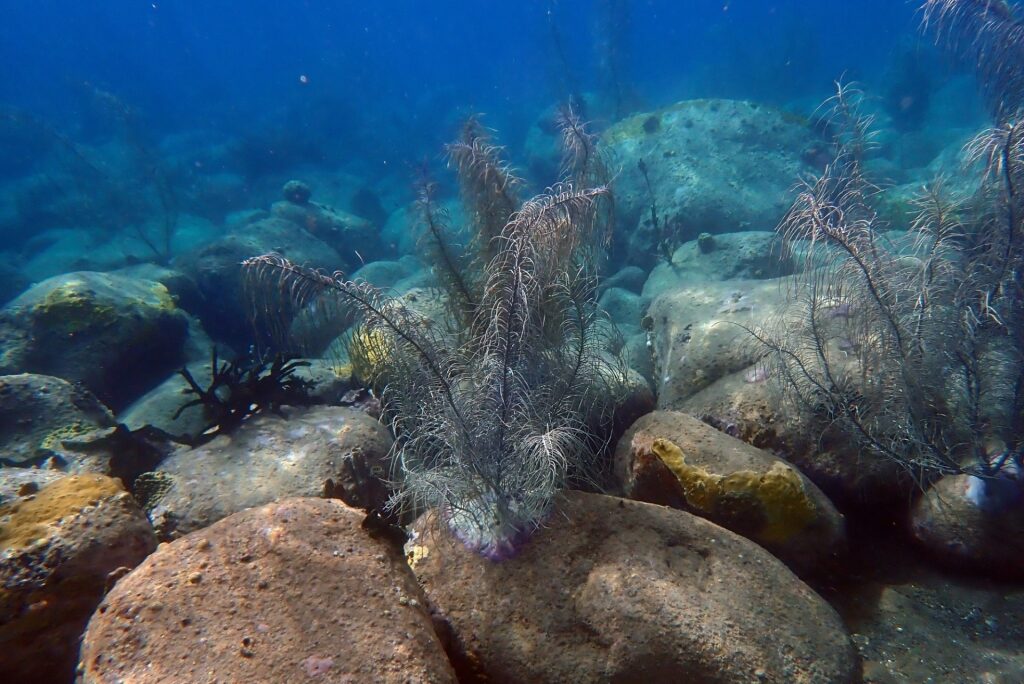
(914, 354)
(496, 411)
(989, 36)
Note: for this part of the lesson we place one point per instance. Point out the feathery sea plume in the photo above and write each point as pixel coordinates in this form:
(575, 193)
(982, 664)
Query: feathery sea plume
(915, 354)
(497, 408)
(989, 36)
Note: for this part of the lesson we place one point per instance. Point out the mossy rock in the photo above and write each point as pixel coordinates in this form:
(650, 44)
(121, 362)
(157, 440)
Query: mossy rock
(63, 540)
(674, 459)
(116, 334)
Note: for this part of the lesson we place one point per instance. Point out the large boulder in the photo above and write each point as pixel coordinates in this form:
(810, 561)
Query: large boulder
(715, 166)
(293, 591)
(612, 590)
(354, 238)
(751, 406)
(159, 408)
(974, 524)
(118, 335)
(709, 365)
(64, 539)
(673, 459)
(39, 412)
(216, 270)
(321, 451)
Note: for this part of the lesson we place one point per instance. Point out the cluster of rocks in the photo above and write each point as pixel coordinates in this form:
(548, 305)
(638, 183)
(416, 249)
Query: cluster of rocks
(708, 558)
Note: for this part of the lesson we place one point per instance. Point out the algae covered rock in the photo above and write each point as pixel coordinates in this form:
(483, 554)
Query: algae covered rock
(39, 412)
(616, 590)
(118, 335)
(293, 591)
(964, 522)
(64, 539)
(749, 405)
(676, 460)
(715, 166)
(321, 451)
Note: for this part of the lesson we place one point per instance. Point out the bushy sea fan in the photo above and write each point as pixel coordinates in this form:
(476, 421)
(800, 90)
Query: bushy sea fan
(989, 36)
(915, 353)
(494, 412)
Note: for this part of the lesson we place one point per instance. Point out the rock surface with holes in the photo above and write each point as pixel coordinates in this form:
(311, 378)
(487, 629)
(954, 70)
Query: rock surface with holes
(294, 591)
(612, 590)
(63, 540)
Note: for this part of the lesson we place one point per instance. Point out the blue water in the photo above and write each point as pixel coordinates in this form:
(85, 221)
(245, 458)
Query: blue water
(393, 76)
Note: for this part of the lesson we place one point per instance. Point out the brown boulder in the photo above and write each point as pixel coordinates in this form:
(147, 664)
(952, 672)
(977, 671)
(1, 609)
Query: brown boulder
(292, 591)
(675, 460)
(614, 590)
(63, 539)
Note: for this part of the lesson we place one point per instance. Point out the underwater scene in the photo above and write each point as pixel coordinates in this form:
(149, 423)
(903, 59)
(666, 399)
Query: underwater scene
(537, 341)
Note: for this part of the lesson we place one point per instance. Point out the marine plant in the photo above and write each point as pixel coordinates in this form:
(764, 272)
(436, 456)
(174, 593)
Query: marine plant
(498, 407)
(988, 35)
(242, 388)
(912, 353)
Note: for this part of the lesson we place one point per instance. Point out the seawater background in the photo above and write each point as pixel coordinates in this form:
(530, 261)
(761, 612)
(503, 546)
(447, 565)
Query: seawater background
(386, 82)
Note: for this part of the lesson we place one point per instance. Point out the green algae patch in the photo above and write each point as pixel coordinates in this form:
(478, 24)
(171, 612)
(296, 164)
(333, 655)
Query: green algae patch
(24, 522)
(774, 504)
(71, 309)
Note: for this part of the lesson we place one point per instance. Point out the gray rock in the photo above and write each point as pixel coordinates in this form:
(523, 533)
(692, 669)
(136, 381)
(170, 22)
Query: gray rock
(354, 238)
(697, 336)
(216, 270)
(293, 591)
(750, 255)
(64, 540)
(118, 335)
(386, 274)
(628, 278)
(624, 308)
(707, 365)
(715, 166)
(320, 451)
(38, 412)
(158, 406)
(630, 591)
